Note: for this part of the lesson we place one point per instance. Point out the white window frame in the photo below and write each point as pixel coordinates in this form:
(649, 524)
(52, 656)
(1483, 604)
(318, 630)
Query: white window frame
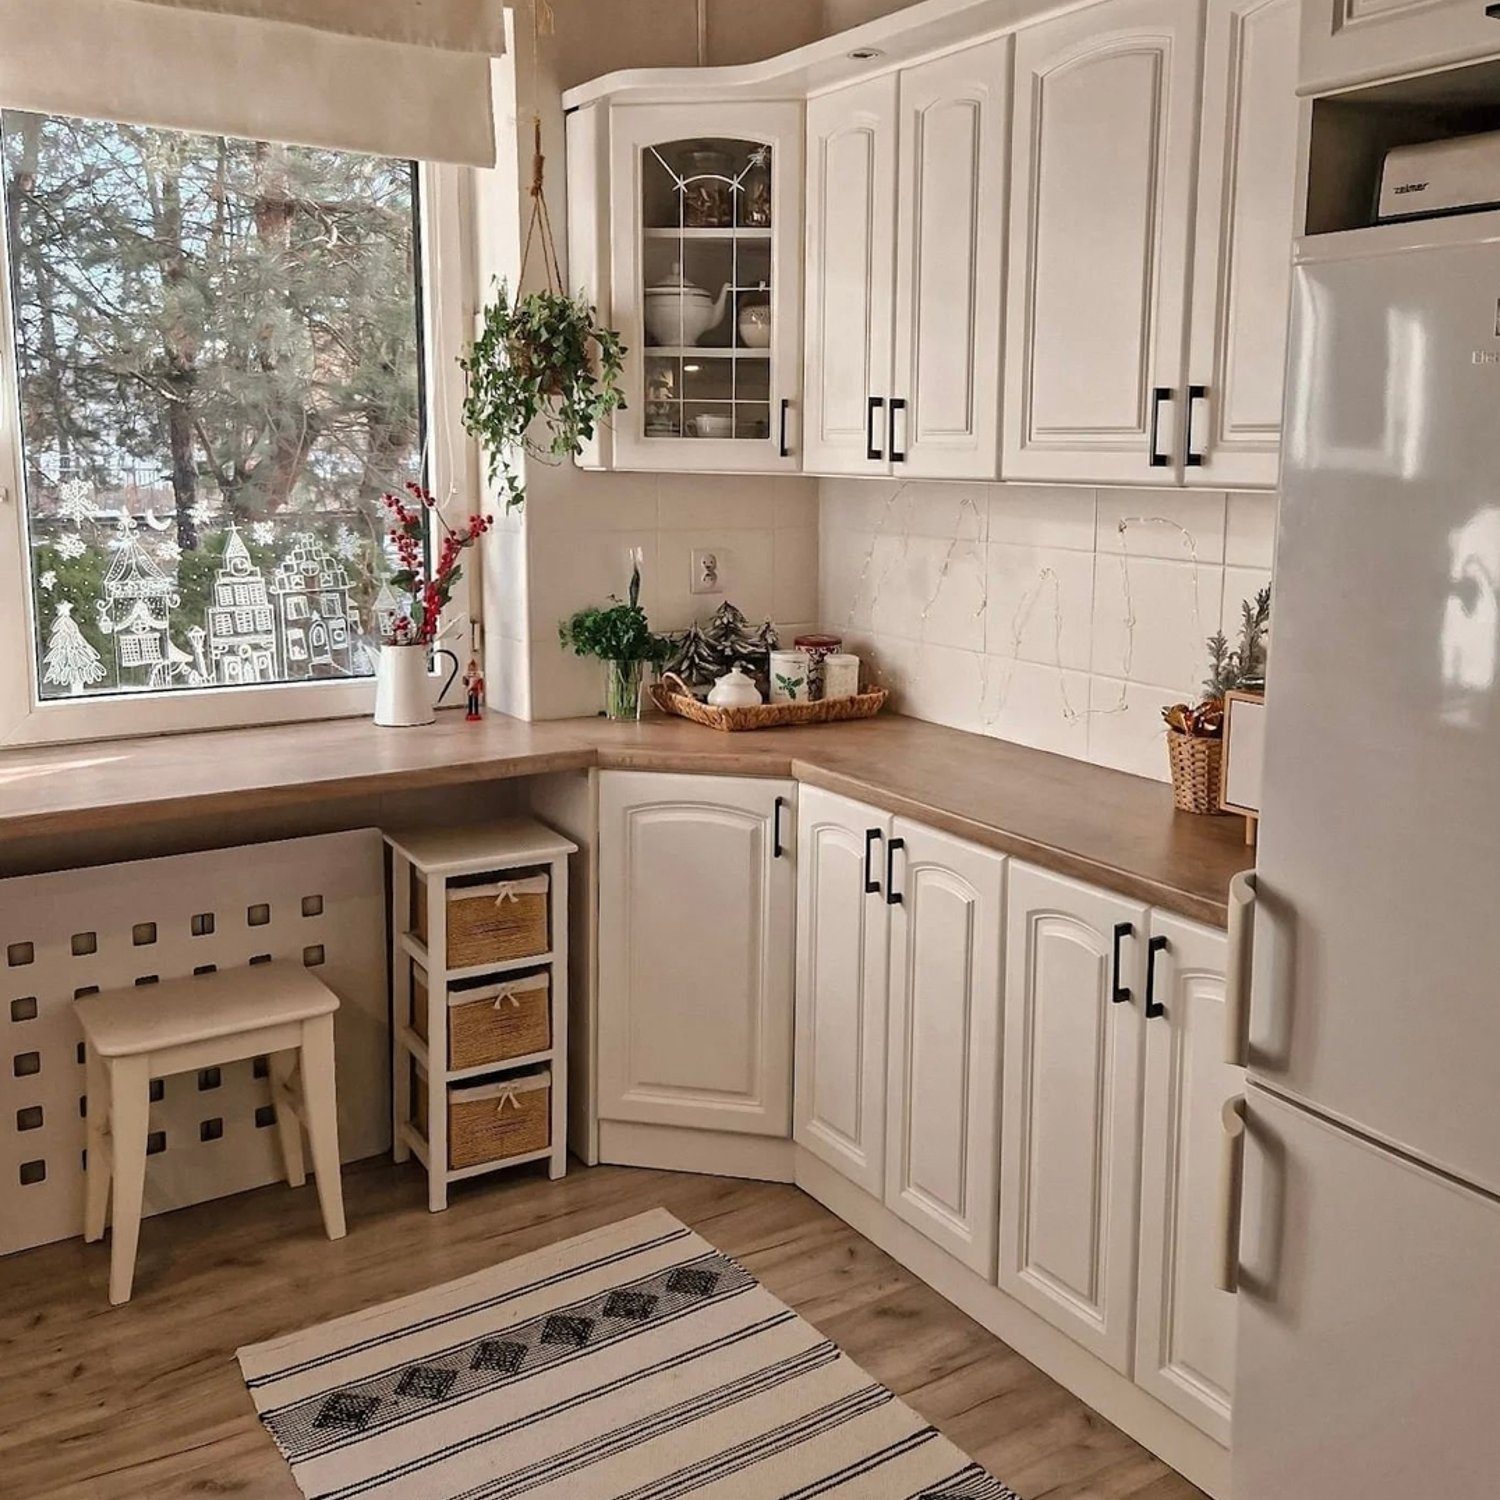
(446, 196)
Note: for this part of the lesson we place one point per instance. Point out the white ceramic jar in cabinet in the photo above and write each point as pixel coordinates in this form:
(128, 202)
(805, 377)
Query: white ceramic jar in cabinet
(946, 903)
(843, 932)
(693, 233)
(1363, 41)
(697, 892)
(906, 245)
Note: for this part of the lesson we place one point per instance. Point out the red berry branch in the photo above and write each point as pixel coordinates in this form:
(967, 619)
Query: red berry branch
(427, 594)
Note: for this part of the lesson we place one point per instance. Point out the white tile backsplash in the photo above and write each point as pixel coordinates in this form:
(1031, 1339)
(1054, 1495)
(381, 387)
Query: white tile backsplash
(1065, 619)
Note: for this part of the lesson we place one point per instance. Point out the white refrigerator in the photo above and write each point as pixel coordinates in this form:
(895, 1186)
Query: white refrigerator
(1368, 1355)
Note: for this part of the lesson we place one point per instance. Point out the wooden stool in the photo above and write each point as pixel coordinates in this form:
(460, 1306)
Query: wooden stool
(134, 1035)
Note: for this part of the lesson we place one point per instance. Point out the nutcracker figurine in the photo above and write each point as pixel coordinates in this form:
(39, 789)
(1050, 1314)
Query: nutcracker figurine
(474, 687)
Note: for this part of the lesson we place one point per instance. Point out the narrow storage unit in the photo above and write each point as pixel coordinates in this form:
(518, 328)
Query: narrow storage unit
(479, 966)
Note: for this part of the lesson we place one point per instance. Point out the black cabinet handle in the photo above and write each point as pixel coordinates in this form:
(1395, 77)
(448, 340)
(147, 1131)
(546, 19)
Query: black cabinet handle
(872, 883)
(1120, 993)
(898, 408)
(873, 450)
(781, 443)
(892, 895)
(1196, 394)
(1493, 12)
(1154, 1007)
(1162, 393)
(776, 849)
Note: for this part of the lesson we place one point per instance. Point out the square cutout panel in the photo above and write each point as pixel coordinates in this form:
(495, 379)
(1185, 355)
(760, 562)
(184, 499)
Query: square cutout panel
(23, 1009)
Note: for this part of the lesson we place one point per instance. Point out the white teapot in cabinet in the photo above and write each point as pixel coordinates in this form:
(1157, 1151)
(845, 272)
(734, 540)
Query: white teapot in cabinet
(678, 313)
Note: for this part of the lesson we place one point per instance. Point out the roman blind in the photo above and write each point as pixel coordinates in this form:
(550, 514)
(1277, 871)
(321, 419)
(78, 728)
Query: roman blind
(407, 78)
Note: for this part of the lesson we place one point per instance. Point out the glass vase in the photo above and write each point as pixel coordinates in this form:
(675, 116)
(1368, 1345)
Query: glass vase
(622, 689)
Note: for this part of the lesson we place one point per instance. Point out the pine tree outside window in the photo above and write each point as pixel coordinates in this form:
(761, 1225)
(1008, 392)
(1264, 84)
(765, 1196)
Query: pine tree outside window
(223, 352)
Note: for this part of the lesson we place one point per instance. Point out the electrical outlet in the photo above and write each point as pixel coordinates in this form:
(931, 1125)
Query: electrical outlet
(708, 575)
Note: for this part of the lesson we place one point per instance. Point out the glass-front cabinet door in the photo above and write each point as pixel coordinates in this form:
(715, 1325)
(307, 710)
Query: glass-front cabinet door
(706, 212)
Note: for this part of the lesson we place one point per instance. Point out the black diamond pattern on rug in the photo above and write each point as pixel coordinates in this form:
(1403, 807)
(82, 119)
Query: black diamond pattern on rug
(637, 1306)
(500, 1355)
(428, 1382)
(692, 1281)
(345, 1409)
(561, 1329)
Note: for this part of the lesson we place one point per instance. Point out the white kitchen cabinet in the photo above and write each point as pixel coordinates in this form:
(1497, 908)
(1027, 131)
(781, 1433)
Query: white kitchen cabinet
(906, 248)
(697, 896)
(944, 416)
(1242, 264)
(842, 956)
(1362, 41)
(704, 206)
(1103, 153)
(1184, 1344)
(851, 255)
(1071, 1133)
(945, 899)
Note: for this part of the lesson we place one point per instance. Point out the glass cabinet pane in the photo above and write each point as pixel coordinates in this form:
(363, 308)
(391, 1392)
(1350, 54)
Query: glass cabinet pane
(706, 225)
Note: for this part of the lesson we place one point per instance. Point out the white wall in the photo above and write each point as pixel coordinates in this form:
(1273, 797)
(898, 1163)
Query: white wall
(1059, 618)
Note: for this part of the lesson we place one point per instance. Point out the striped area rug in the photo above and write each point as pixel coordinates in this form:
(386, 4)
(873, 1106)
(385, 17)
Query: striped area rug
(634, 1363)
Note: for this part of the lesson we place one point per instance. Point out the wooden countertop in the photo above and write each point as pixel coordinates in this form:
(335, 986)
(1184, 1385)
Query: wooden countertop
(1115, 830)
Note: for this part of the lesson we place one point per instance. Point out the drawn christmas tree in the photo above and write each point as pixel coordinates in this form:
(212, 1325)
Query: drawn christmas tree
(71, 662)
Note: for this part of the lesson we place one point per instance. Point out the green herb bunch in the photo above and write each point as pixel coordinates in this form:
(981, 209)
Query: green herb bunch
(620, 632)
(541, 357)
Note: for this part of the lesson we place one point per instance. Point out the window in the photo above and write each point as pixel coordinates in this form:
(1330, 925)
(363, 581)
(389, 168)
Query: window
(219, 360)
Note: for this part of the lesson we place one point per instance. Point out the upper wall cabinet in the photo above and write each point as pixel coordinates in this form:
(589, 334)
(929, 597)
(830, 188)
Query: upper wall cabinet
(1247, 169)
(695, 248)
(906, 241)
(1103, 156)
(1361, 41)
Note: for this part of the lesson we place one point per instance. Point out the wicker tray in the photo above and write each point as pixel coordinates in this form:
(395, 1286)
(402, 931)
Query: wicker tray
(672, 697)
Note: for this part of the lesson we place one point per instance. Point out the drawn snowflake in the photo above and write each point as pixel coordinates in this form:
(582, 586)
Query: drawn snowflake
(263, 532)
(48, 580)
(71, 547)
(346, 544)
(169, 549)
(202, 512)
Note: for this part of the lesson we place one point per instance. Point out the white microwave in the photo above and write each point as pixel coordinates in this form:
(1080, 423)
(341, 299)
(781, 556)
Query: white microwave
(1441, 177)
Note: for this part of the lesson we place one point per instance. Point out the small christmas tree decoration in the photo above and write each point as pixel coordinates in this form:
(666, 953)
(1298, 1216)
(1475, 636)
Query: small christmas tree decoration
(71, 661)
(696, 661)
(733, 641)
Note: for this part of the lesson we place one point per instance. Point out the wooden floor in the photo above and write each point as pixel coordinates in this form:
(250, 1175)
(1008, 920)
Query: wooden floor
(146, 1400)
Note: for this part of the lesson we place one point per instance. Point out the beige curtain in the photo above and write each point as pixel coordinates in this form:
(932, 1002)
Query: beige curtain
(391, 77)
(458, 25)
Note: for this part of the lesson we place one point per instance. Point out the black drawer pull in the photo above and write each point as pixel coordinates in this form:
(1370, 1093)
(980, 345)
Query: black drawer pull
(873, 450)
(1154, 1007)
(892, 895)
(1120, 993)
(872, 882)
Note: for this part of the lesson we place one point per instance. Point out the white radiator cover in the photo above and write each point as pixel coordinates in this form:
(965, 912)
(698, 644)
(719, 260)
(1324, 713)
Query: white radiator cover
(287, 900)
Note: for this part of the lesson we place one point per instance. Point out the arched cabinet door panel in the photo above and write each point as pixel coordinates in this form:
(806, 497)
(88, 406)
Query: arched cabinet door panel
(697, 888)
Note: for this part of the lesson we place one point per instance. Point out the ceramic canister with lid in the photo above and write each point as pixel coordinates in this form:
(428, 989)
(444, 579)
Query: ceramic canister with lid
(841, 675)
(790, 676)
(818, 648)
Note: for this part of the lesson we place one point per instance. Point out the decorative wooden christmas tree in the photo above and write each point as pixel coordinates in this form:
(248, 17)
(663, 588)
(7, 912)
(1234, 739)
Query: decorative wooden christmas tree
(697, 660)
(71, 661)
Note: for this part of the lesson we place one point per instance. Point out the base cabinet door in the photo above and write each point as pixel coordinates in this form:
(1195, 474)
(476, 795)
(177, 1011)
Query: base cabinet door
(950, 206)
(945, 898)
(851, 250)
(1074, 1003)
(697, 895)
(842, 933)
(1184, 1345)
(1242, 264)
(1103, 156)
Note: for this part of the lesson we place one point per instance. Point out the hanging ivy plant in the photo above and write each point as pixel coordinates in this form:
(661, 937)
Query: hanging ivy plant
(540, 358)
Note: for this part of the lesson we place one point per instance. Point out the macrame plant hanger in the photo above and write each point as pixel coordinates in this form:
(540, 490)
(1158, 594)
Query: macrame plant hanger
(539, 225)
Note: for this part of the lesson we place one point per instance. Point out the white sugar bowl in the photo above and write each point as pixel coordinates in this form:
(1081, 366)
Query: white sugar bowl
(734, 690)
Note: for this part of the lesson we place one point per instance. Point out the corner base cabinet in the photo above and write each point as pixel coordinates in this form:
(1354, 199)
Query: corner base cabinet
(697, 890)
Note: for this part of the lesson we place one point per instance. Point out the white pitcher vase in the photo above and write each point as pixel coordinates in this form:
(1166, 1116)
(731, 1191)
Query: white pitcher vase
(404, 695)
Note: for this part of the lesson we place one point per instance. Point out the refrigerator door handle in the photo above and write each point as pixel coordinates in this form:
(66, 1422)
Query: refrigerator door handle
(1237, 980)
(1231, 1192)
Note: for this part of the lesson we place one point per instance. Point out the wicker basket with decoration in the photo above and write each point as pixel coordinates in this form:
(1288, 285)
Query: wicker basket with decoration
(1197, 768)
(673, 696)
(492, 1024)
(493, 919)
(489, 1122)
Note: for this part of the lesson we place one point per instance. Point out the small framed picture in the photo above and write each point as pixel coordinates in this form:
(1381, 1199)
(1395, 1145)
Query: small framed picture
(1244, 756)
